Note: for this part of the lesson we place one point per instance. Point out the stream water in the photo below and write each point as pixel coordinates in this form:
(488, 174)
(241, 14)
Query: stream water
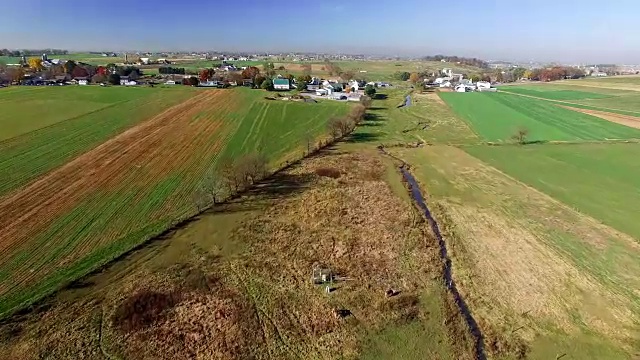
(416, 194)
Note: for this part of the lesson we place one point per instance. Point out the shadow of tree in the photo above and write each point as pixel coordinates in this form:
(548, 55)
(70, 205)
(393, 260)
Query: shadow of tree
(362, 137)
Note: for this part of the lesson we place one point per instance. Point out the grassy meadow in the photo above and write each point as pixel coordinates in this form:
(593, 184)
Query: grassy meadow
(497, 116)
(113, 189)
(600, 180)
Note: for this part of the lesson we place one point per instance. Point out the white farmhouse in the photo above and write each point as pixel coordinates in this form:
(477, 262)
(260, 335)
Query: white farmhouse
(483, 85)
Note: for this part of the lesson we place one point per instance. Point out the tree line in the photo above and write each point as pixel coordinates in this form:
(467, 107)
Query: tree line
(32, 52)
(71, 69)
(457, 59)
(501, 75)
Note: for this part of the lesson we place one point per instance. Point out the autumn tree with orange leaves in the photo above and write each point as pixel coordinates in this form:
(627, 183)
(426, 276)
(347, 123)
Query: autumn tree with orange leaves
(206, 74)
(250, 73)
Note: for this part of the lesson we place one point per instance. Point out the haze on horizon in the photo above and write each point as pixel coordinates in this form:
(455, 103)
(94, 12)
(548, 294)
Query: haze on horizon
(542, 30)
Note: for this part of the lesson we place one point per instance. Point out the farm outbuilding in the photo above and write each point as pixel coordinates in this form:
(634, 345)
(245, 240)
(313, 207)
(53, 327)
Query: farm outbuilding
(281, 84)
(483, 85)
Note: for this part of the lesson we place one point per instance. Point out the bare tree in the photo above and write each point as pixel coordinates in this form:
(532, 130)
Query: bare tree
(340, 127)
(366, 101)
(252, 168)
(334, 128)
(346, 126)
(228, 173)
(309, 140)
(521, 135)
(214, 187)
(357, 113)
(199, 198)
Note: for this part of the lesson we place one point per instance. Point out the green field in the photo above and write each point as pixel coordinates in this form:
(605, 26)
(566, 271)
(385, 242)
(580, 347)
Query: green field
(135, 187)
(546, 92)
(622, 102)
(600, 180)
(44, 127)
(627, 79)
(426, 120)
(93, 59)
(9, 60)
(626, 105)
(497, 116)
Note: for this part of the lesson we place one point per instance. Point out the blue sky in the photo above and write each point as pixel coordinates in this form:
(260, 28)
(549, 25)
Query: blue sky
(544, 30)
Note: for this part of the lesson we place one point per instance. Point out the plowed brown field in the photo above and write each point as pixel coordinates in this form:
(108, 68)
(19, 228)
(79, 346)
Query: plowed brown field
(131, 163)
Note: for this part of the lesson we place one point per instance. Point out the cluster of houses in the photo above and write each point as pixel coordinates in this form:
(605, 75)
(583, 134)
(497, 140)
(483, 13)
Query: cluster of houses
(449, 79)
(352, 90)
(331, 89)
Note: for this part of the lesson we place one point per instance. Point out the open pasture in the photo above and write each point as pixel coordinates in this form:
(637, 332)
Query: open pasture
(553, 92)
(626, 82)
(600, 180)
(623, 102)
(133, 185)
(626, 79)
(497, 116)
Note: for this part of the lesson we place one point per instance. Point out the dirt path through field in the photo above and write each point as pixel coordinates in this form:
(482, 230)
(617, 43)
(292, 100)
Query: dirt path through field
(630, 121)
(139, 154)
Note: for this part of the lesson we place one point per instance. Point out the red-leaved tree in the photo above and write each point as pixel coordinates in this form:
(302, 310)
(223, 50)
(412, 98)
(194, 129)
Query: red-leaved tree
(79, 71)
(206, 74)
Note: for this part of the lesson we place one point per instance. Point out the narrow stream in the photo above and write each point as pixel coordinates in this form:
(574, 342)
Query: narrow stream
(447, 275)
(417, 196)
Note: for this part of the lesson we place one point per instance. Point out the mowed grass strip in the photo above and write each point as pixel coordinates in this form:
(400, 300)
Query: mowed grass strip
(48, 139)
(600, 180)
(141, 183)
(497, 116)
